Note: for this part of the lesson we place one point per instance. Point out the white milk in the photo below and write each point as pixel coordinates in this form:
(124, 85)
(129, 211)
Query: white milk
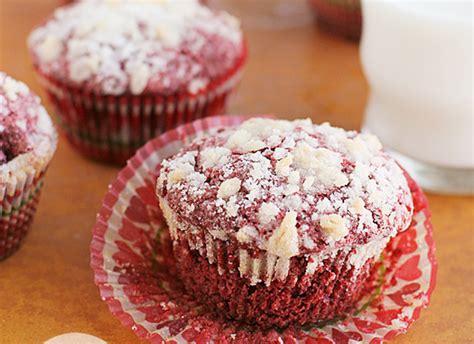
(418, 57)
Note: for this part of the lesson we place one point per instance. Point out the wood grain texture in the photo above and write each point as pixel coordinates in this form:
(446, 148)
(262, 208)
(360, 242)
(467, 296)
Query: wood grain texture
(47, 287)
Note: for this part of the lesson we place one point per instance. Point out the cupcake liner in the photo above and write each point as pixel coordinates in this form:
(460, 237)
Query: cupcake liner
(18, 201)
(131, 255)
(339, 16)
(112, 128)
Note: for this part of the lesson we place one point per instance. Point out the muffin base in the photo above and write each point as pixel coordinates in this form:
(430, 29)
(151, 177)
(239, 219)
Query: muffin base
(328, 293)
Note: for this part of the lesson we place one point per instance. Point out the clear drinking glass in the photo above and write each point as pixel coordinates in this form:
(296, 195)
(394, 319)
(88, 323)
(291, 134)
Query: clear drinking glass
(417, 57)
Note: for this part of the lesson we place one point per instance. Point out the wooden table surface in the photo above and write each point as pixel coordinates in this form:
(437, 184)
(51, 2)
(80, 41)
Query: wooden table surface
(47, 287)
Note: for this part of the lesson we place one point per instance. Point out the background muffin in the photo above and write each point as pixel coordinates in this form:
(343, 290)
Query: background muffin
(27, 143)
(121, 72)
(339, 16)
(278, 222)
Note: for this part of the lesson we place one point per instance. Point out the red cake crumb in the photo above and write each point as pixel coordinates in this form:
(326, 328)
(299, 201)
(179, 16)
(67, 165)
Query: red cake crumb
(12, 141)
(278, 222)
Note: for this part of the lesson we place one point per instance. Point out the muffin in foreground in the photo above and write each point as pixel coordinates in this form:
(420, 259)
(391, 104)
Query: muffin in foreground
(277, 223)
(27, 143)
(121, 72)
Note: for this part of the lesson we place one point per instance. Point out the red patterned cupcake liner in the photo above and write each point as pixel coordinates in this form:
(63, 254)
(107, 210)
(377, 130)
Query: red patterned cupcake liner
(18, 203)
(112, 128)
(131, 255)
(340, 16)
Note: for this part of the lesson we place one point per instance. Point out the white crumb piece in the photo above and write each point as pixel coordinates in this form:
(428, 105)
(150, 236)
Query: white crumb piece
(291, 189)
(323, 164)
(140, 73)
(308, 183)
(282, 167)
(377, 198)
(83, 68)
(357, 206)
(257, 172)
(294, 177)
(177, 175)
(367, 251)
(232, 208)
(254, 194)
(252, 146)
(284, 241)
(280, 153)
(324, 206)
(361, 172)
(219, 234)
(214, 156)
(229, 188)
(13, 88)
(288, 142)
(273, 140)
(197, 85)
(238, 139)
(267, 212)
(196, 179)
(49, 49)
(340, 179)
(307, 241)
(246, 233)
(220, 202)
(294, 202)
(372, 142)
(357, 149)
(167, 35)
(334, 226)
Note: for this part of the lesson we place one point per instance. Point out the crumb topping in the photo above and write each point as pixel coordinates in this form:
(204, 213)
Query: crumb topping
(24, 124)
(119, 46)
(288, 187)
(229, 188)
(284, 241)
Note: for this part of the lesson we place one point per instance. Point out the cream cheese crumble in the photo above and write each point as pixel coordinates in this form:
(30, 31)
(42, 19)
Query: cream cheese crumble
(289, 187)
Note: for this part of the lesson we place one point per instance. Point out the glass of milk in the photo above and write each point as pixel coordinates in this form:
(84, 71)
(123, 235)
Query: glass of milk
(418, 59)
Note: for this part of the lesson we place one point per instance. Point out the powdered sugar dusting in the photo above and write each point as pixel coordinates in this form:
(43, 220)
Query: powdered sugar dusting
(308, 189)
(25, 127)
(118, 46)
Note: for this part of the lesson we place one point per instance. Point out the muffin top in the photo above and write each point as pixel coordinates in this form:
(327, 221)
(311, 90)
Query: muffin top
(287, 187)
(116, 47)
(27, 136)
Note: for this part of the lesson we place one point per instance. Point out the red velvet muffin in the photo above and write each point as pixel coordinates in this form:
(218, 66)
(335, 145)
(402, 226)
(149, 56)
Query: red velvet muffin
(121, 72)
(277, 223)
(27, 143)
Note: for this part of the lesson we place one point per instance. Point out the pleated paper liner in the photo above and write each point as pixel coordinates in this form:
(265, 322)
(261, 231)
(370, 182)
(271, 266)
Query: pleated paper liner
(136, 274)
(19, 197)
(112, 128)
